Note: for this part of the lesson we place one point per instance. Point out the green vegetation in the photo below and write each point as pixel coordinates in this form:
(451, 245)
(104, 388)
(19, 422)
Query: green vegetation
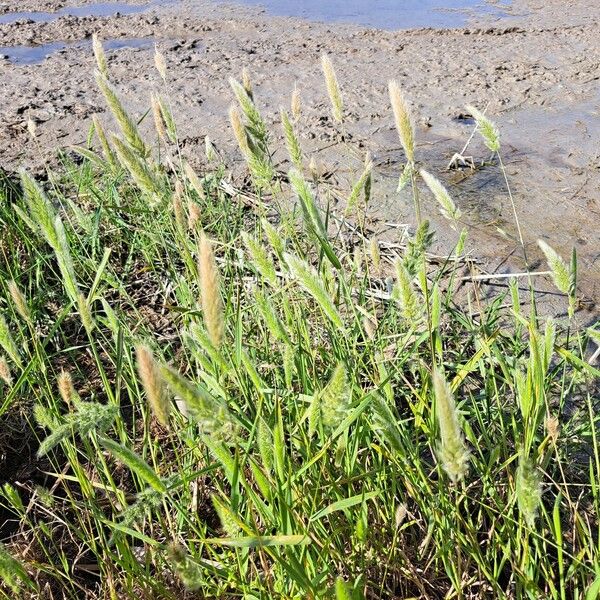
(216, 392)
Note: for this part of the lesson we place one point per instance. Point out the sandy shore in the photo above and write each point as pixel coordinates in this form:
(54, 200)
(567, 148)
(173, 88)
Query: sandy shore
(537, 71)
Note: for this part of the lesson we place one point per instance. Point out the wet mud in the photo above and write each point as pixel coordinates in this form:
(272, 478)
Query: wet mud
(536, 71)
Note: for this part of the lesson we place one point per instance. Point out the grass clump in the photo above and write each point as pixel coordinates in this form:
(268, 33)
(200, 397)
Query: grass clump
(268, 402)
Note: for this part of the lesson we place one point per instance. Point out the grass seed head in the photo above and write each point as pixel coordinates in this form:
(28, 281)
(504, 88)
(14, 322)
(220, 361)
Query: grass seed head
(560, 271)
(452, 450)
(109, 155)
(65, 388)
(488, 130)
(403, 120)
(447, 206)
(7, 342)
(193, 215)
(335, 398)
(375, 254)
(85, 313)
(529, 490)
(209, 149)
(19, 300)
(99, 55)
(333, 88)
(178, 205)
(159, 123)
(160, 63)
(410, 303)
(239, 130)
(5, 374)
(296, 104)
(194, 180)
(553, 428)
(153, 386)
(247, 83)
(212, 305)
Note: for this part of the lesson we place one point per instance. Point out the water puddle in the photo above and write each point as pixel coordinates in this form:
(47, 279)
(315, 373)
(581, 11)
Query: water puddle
(30, 55)
(385, 14)
(102, 9)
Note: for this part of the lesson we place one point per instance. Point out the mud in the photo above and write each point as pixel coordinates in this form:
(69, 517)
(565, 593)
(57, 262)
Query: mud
(536, 70)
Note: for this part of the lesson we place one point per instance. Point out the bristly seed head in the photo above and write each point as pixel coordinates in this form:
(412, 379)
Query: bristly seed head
(529, 490)
(247, 83)
(193, 215)
(159, 123)
(296, 105)
(212, 305)
(403, 120)
(333, 88)
(153, 386)
(19, 300)
(452, 450)
(239, 130)
(5, 374)
(160, 63)
(66, 388)
(488, 130)
(99, 55)
(553, 428)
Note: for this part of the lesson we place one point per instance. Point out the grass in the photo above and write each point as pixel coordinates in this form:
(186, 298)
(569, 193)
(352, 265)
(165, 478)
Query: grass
(211, 391)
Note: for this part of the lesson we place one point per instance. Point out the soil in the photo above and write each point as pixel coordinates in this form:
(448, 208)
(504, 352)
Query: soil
(536, 71)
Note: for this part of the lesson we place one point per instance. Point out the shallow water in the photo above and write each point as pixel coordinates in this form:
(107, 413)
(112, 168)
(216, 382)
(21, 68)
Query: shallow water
(30, 55)
(101, 9)
(384, 14)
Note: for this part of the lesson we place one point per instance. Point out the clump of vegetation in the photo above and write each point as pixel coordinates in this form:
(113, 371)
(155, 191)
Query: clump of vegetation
(235, 392)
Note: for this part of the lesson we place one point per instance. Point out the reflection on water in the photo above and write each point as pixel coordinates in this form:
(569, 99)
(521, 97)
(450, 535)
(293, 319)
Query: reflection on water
(383, 14)
(29, 55)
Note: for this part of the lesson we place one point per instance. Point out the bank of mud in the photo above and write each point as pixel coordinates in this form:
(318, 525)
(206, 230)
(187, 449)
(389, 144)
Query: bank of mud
(537, 73)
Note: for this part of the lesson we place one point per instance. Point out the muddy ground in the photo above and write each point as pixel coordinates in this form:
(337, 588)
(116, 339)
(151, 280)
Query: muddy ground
(537, 71)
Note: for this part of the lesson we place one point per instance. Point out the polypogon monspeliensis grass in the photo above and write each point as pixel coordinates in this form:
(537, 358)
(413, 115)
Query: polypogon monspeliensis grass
(560, 271)
(260, 259)
(149, 374)
(403, 120)
(210, 294)
(160, 62)
(447, 206)
(452, 450)
(100, 56)
(88, 418)
(296, 104)
(529, 490)
(334, 399)
(411, 305)
(19, 300)
(8, 343)
(125, 122)
(107, 151)
(305, 330)
(563, 275)
(5, 374)
(138, 167)
(361, 186)
(333, 89)
(291, 140)
(66, 389)
(489, 131)
(309, 279)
